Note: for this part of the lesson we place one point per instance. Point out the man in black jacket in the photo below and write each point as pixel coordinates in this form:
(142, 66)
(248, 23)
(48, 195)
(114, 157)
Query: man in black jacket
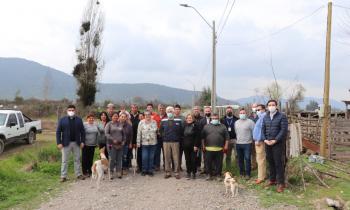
(274, 134)
(229, 121)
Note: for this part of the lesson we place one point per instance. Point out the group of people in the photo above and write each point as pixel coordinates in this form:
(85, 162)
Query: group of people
(204, 140)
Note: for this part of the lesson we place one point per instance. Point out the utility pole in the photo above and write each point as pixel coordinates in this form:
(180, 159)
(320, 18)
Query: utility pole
(213, 84)
(325, 121)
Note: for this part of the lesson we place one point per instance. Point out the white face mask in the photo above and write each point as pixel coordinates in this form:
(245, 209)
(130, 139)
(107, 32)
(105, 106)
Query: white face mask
(70, 113)
(272, 109)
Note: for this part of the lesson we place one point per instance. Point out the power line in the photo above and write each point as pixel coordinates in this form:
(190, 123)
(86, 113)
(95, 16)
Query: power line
(276, 32)
(223, 26)
(341, 6)
(223, 14)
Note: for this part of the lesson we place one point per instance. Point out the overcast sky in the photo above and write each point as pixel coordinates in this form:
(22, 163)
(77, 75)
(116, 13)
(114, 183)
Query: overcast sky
(157, 41)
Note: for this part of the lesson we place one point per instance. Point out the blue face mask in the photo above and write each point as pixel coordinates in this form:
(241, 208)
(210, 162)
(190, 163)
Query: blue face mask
(170, 115)
(242, 116)
(215, 122)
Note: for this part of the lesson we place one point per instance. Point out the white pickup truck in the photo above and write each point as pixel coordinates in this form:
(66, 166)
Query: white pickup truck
(15, 126)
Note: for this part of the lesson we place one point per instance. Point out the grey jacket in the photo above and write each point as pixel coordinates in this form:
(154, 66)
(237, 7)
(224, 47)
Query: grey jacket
(91, 134)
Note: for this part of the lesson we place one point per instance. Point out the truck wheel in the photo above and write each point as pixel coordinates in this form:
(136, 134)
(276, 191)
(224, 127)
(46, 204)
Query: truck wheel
(31, 137)
(2, 145)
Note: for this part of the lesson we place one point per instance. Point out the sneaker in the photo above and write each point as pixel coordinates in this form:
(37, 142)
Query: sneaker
(150, 173)
(209, 178)
(188, 176)
(167, 176)
(63, 179)
(143, 173)
(177, 176)
(280, 188)
(246, 177)
(81, 177)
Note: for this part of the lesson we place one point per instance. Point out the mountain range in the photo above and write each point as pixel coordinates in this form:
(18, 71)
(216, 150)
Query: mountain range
(30, 79)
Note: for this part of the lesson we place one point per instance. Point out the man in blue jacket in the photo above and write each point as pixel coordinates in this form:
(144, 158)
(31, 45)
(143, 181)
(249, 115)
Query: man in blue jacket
(274, 134)
(171, 131)
(260, 145)
(70, 137)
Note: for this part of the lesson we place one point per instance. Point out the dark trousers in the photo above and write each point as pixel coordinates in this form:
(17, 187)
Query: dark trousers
(213, 162)
(244, 152)
(275, 156)
(139, 158)
(126, 156)
(191, 160)
(181, 151)
(87, 159)
(157, 154)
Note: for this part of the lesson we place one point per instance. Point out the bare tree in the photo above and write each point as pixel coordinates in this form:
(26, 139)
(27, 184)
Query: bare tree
(296, 95)
(273, 91)
(90, 63)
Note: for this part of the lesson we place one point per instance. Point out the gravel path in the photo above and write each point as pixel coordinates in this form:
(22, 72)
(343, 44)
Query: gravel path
(138, 192)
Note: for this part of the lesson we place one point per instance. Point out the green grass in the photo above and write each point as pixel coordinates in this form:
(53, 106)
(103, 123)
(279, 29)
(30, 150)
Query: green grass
(29, 177)
(294, 194)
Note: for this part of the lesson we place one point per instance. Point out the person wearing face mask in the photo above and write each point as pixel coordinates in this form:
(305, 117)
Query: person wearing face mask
(70, 137)
(244, 131)
(274, 134)
(229, 121)
(260, 145)
(171, 131)
(215, 139)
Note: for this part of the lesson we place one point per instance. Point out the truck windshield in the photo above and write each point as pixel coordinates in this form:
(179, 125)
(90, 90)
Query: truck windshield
(2, 119)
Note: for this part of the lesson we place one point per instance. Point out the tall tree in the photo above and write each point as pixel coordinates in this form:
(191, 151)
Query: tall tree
(90, 63)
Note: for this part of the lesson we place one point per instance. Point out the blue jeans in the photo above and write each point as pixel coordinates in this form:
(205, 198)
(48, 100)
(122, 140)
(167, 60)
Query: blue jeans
(157, 153)
(148, 157)
(244, 152)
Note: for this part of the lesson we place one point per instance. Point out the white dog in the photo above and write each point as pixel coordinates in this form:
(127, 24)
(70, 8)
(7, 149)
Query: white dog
(230, 182)
(99, 167)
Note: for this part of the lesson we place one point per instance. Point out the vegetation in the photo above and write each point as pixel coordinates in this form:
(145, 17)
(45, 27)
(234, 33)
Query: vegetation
(89, 53)
(314, 195)
(27, 178)
(205, 97)
(312, 106)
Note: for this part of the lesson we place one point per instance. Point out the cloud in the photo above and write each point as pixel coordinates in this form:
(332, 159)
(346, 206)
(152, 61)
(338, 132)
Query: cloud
(160, 42)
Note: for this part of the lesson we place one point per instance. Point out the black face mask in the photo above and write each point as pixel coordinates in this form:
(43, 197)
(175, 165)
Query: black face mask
(208, 114)
(230, 114)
